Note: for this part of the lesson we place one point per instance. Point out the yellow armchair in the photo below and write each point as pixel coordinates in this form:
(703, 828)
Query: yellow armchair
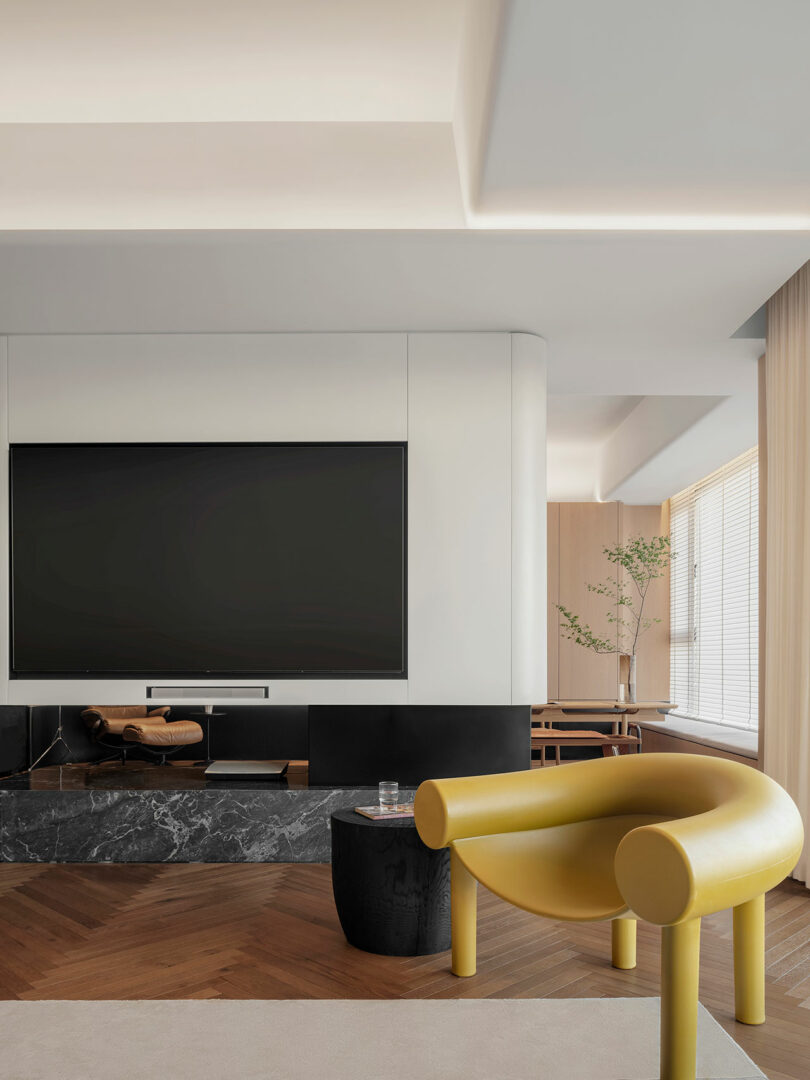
(662, 837)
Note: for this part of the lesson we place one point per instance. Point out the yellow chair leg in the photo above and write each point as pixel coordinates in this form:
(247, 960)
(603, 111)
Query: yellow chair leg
(463, 916)
(749, 961)
(624, 943)
(680, 962)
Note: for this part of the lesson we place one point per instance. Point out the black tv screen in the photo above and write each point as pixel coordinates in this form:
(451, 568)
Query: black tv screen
(284, 560)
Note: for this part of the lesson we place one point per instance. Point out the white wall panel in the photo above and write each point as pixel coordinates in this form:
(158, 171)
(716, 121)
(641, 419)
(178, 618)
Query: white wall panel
(459, 447)
(529, 521)
(133, 691)
(207, 387)
(472, 408)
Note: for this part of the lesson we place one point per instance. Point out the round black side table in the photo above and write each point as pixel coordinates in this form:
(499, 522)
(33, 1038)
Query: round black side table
(392, 893)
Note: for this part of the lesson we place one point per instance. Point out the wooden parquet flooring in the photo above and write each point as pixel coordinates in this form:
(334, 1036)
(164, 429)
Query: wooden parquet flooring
(270, 931)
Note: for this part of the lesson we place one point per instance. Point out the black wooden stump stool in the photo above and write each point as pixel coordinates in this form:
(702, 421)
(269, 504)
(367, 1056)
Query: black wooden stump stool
(391, 892)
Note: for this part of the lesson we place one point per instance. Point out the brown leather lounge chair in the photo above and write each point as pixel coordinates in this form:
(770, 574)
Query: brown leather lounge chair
(124, 727)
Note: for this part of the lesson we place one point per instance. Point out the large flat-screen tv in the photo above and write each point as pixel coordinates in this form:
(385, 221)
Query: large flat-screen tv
(237, 559)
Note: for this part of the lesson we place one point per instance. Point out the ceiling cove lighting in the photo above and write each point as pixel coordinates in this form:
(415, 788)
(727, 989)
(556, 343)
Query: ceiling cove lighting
(640, 222)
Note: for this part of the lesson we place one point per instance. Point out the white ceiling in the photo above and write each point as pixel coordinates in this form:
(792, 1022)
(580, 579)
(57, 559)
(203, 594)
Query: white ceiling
(254, 175)
(722, 430)
(637, 314)
(580, 114)
(638, 108)
(347, 164)
(191, 114)
(204, 61)
(643, 449)
(574, 418)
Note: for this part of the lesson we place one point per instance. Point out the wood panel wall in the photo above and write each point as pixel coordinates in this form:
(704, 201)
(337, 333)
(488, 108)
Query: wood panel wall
(586, 528)
(653, 653)
(577, 534)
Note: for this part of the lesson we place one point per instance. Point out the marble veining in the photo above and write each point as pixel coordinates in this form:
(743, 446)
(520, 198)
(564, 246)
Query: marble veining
(172, 826)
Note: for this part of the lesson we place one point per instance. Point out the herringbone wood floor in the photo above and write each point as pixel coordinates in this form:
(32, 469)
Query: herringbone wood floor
(270, 931)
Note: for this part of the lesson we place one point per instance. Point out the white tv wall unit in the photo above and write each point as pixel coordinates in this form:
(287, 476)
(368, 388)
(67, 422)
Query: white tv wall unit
(472, 408)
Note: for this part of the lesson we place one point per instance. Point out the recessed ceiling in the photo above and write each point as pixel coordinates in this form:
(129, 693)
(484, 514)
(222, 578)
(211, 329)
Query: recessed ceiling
(254, 175)
(554, 116)
(634, 109)
(194, 114)
(378, 143)
(182, 61)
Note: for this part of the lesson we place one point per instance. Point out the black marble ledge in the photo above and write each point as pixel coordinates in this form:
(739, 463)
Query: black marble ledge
(173, 826)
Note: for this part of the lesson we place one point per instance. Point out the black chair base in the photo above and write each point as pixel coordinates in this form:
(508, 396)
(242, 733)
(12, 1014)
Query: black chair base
(125, 749)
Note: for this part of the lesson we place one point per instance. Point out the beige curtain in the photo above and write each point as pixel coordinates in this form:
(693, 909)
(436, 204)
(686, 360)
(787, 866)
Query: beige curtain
(786, 714)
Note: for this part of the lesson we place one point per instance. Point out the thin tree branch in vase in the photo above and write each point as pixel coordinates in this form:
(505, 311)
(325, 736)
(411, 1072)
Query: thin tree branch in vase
(643, 560)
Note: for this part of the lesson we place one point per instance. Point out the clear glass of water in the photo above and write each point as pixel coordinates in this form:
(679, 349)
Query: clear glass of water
(389, 795)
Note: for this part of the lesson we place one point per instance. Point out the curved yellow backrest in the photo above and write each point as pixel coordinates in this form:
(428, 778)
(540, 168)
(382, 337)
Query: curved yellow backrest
(733, 834)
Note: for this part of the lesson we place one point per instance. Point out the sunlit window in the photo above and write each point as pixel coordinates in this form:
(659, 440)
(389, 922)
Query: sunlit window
(715, 596)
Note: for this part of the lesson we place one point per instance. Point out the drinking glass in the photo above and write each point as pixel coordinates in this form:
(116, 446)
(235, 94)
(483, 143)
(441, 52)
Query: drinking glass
(389, 795)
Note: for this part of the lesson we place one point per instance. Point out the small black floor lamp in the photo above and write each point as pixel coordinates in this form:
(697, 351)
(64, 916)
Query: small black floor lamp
(59, 737)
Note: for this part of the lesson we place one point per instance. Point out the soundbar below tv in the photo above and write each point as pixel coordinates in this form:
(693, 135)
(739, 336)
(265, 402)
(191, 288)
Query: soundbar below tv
(213, 559)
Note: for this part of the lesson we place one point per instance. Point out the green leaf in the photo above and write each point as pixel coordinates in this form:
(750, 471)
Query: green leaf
(642, 560)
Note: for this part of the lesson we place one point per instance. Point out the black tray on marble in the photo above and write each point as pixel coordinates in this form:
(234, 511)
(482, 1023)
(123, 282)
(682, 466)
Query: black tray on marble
(246, 770)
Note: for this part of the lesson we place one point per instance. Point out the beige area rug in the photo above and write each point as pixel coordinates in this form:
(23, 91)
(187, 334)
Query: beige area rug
(565, 1039)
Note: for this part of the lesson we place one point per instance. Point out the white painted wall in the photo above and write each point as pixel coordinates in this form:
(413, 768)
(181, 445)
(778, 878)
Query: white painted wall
(529, 519)
(207, 387)
(472, 407)
(573, 471)
(459, 525)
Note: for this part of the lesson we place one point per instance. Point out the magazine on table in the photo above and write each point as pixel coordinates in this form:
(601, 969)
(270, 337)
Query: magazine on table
(404, 810)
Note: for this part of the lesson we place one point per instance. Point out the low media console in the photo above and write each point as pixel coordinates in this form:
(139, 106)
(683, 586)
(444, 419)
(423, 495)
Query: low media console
(176, 814)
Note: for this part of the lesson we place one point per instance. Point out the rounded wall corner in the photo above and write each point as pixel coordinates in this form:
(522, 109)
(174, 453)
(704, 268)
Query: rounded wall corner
(529, 346)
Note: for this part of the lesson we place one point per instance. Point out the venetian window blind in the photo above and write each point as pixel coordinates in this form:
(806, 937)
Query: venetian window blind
(714, 583)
